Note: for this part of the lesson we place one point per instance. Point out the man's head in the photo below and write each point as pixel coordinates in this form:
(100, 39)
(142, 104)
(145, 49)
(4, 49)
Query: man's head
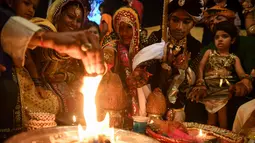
(24, 8)
(180, 24)
(217, 14)
(182, 16)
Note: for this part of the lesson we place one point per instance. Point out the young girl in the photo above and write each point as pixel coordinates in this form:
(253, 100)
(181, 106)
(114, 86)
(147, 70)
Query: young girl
(216, 73)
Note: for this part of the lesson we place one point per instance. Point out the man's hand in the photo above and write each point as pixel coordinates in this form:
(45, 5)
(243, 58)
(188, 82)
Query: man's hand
(138, 78)
(182, 61)
(241, 88)
(70, 43)
(197, 93)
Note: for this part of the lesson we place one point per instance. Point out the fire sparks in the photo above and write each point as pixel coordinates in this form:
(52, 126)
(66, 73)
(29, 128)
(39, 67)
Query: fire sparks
(93, 128)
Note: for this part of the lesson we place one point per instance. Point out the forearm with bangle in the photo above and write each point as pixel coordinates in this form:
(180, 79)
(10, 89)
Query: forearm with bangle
(247, 76)
(42, 38)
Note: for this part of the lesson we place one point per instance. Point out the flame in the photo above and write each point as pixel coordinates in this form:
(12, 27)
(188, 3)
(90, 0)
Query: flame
(93, 127)
(201, 134)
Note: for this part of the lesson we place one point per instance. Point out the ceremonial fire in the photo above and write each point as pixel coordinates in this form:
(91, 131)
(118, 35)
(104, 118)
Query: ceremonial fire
(94, 129)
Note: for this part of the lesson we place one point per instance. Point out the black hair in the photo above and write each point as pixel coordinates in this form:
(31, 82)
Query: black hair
(87, 4)
(229, 28)
(193, 7)
(91, 24)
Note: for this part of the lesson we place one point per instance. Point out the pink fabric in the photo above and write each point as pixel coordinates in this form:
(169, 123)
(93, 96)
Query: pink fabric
(177, 134)
(138, 6)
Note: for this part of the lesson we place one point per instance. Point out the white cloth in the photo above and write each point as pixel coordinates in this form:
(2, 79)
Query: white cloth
(155, 51)
(15, 37)
(242, 115)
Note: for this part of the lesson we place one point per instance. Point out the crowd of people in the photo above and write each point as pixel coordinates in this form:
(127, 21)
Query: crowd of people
(43, 60)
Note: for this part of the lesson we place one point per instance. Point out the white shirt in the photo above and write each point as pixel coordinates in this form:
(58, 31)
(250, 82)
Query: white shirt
(242, 115)
(15, 37)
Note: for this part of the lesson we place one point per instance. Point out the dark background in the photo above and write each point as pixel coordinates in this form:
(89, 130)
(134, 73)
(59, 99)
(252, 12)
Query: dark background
(151, 17)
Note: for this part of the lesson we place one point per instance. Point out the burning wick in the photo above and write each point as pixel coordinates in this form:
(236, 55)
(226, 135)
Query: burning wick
(74, 119)
(201, 135)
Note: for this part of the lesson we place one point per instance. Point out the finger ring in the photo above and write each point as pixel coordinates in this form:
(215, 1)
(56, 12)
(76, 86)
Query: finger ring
(86, 46)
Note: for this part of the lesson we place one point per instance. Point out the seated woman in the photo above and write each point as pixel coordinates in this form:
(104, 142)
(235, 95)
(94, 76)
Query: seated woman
(121, 47)
(62, 73)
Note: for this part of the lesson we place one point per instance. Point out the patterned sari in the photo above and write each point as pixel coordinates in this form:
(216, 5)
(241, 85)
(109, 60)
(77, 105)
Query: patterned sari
(119, 57)
(61, 73)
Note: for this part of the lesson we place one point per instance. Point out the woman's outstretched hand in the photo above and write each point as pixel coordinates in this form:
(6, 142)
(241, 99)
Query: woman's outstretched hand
(80, 45)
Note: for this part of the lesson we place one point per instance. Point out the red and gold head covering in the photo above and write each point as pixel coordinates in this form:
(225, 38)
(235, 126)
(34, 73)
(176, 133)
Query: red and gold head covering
(128, 15)
(218, 10)
(55, 9)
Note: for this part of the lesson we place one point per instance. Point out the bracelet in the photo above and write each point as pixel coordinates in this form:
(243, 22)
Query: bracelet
(40, 37)
(246, 76)
(200, 82)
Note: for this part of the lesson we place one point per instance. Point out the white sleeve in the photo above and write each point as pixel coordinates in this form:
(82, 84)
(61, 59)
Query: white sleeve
(15, 37)
(242, 115)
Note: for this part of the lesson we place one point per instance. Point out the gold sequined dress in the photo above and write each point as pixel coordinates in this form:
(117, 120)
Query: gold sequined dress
(218, 78)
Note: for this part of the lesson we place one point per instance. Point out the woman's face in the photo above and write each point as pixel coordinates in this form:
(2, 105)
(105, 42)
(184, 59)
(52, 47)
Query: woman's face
(70, 19)
(125, 33)
(25, 8)
(94, 31)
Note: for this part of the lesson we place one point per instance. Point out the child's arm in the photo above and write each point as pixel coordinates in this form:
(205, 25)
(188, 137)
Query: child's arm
(244, 86)
(202, 65)
(238, 68)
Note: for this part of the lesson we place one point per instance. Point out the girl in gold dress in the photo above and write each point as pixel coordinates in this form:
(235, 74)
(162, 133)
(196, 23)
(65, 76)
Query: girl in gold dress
(216, 73)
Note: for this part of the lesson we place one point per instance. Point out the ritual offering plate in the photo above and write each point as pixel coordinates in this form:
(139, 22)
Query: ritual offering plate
(69, 134)
(194, 133)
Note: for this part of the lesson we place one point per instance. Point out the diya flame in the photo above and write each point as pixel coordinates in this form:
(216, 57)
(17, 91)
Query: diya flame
(93, 128)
